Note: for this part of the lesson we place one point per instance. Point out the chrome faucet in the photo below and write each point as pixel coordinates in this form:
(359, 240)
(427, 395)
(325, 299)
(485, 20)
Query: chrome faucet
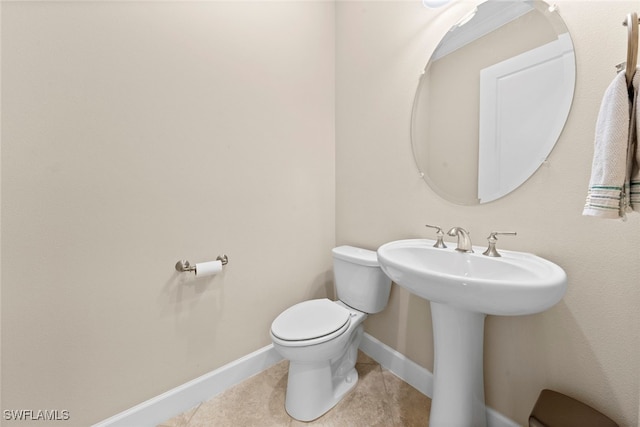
(464, 242)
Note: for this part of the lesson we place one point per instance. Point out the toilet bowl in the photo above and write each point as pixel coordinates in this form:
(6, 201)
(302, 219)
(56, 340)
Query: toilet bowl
(320, 337)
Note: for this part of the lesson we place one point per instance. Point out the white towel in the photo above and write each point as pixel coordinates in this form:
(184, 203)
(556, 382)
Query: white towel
(607, 196)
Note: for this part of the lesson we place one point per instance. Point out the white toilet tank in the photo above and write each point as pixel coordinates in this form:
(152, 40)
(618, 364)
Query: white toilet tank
(360, 283)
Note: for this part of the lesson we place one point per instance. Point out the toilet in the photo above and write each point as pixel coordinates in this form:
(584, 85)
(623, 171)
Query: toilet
(320, 337)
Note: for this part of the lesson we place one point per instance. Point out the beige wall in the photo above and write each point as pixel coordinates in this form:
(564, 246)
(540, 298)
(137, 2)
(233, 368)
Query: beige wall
(139, 133)
(136, 134)
(587, 345)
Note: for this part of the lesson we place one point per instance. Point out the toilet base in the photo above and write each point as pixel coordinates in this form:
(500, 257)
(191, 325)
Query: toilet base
(313, 388)
(311, 392)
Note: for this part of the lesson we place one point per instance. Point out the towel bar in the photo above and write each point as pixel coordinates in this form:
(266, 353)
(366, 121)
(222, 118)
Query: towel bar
(632, 47)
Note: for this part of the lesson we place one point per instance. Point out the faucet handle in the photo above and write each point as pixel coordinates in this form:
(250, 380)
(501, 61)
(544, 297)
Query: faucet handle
(439, 234)
(492, 239)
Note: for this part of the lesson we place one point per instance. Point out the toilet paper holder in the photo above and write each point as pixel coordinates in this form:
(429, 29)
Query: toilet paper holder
(184, 265)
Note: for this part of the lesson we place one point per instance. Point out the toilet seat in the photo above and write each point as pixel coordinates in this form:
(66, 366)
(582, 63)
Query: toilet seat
(311, 322)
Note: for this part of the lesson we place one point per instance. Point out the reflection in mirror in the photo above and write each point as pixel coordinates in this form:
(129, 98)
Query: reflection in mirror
(493, 100)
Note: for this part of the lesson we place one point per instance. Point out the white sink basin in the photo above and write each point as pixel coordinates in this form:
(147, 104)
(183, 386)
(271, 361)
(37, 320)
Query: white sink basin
(462, 289)
(515, 284)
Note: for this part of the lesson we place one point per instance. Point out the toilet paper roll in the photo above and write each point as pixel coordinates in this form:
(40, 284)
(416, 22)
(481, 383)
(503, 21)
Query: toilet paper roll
(208, 268)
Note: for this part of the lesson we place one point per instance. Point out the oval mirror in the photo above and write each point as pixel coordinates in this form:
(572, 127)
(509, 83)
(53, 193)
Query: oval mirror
(493, 100)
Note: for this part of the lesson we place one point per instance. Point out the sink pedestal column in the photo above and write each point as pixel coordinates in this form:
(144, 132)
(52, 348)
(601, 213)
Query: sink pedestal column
(458, 379)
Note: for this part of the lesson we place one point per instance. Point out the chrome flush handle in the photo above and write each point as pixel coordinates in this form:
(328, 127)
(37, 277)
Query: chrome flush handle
(492, 239)
(439, 235)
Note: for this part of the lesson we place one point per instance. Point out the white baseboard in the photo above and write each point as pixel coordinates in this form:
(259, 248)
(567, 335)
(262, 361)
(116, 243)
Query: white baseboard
(415, 375)
(407, 370)
(184, 397)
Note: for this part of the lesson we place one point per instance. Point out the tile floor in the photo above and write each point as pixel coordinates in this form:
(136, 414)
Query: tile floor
(379, 399)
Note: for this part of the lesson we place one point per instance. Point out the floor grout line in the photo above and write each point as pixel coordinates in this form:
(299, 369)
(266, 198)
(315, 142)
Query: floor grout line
(193, 413)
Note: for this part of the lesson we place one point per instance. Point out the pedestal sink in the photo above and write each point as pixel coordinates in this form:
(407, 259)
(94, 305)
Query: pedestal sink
(462, 289)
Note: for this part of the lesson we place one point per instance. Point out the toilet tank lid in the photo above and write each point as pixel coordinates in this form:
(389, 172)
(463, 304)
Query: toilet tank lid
(356, 255)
